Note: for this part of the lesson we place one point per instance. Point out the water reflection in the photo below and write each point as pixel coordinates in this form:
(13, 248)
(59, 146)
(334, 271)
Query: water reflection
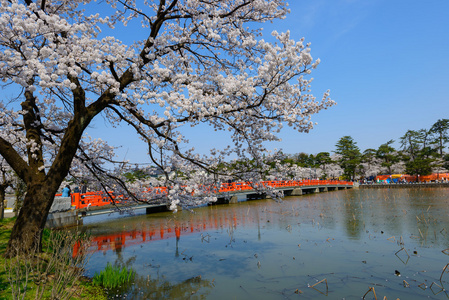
(336, 244)
(160, 288)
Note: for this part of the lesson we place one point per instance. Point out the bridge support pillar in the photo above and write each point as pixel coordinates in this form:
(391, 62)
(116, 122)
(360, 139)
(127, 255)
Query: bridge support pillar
(233, 200)
(63, 219)
(297, 192)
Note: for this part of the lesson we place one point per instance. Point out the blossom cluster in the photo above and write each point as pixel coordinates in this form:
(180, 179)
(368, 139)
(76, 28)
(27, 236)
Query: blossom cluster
(192, 62)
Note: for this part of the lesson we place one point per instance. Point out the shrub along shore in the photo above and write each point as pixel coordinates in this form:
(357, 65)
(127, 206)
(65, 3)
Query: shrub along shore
(81, 288)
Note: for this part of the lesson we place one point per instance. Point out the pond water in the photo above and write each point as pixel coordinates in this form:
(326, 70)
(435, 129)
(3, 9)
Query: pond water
(379, 243)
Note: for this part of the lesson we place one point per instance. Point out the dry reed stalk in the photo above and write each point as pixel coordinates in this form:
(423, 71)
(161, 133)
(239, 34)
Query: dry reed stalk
(444, 270)
(434, 283)
(369, 290)
(405, 283)
(425, 220)
(59, 265)
(402, 249)
(392, 237)
(423, 286)
(325, 280)
(420, 233)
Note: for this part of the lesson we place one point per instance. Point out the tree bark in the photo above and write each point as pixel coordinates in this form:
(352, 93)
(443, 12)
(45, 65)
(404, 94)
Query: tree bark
(2, 202)
(41, 187)
(27, 231)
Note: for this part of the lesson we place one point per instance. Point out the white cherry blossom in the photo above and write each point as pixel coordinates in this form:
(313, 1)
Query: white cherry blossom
(192, 62)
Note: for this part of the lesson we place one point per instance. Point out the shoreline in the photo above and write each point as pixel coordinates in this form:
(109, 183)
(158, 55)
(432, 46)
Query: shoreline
(404, 185)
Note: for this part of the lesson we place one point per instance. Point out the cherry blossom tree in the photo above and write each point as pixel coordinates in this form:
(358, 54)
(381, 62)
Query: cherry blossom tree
(195, 62)
(6, 181)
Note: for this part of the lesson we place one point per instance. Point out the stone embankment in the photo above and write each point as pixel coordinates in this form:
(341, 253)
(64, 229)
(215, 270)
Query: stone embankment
(61, 212)
(404, 185)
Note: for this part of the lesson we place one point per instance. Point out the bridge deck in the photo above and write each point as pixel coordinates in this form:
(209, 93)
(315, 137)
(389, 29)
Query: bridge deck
(224, 197)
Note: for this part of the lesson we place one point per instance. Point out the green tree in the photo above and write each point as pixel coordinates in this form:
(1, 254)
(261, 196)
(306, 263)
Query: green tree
(350, 156)
(445, 163)
(422, 163)
(369, 156)
(388, 155)
(304, 160)
(439, 130)
(188, 63)
(322, 160)
(418, 155)
(410, 143)
(136, 174)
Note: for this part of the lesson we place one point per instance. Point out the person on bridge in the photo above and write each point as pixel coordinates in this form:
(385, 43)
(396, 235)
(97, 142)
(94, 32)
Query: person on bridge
(66, 191)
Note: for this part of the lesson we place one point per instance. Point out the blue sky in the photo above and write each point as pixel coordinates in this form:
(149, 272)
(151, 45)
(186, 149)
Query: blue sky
(386, 64)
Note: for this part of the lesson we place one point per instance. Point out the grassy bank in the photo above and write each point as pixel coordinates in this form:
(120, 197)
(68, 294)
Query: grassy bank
(84, 289)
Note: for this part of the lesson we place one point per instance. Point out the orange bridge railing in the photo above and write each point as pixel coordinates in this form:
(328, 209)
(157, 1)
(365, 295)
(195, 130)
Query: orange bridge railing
(88, 199)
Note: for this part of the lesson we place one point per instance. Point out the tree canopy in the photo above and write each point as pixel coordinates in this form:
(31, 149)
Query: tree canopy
(192, 62)
(387, 154)
(440, 131)
(350, 156)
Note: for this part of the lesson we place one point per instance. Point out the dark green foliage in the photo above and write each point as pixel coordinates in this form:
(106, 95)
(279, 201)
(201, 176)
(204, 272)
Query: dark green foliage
(350, 156)
(387, 154)
(422, 163)
(304, 160)
(439, 130)
(419, 156)
(322, 160)
(445, 162)
(136, 174)
(410, 143)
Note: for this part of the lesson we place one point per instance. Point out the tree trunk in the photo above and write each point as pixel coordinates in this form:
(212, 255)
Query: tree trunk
(2, 202)
(27, 231)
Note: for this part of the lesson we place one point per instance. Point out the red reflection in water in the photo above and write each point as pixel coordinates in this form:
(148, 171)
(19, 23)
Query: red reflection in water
(119, 240)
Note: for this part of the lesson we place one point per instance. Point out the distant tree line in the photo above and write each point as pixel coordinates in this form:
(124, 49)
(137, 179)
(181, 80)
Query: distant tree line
(420, 152)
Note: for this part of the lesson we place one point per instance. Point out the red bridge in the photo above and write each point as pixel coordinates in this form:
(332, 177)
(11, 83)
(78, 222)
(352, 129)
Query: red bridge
(224, 191)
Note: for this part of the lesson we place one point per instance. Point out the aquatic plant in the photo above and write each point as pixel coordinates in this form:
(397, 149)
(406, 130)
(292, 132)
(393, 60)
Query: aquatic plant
(113, 276)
